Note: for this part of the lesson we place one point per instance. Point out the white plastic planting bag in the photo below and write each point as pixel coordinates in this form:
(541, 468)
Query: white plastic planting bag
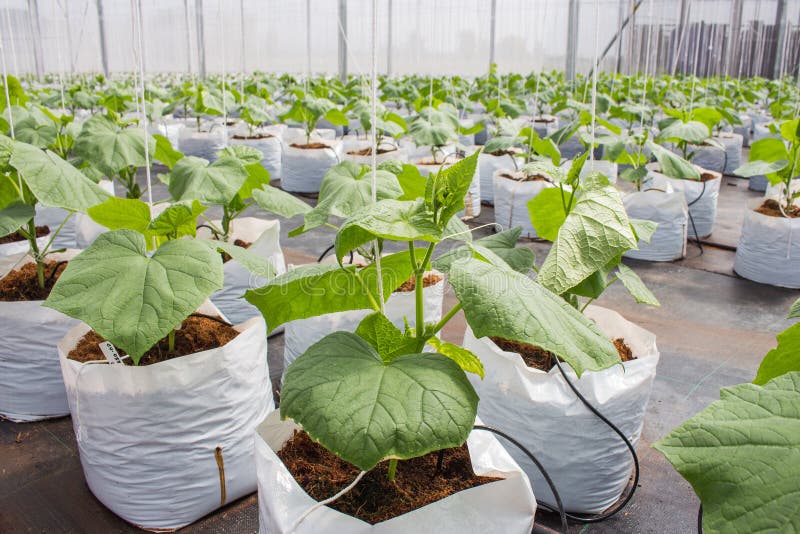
(303, 168)
(52, 218)
(506, 506)
(701, 198)
(271, 146)
(264, 237)
(203, 144)
(157, 442)
(401, 305)
(706, 156)
(671, 213)
(426, 152)
(472, 201)
(31, 387)
(394, 153)
(488, 164)
(171, 129)
(292, 132)
(86, 230)
(511, 199)
(22, 247)
(733, 143)
(776, 191)
(761, 131)
(769, 248)
(588, 462)
(758, 183)
(607, 168)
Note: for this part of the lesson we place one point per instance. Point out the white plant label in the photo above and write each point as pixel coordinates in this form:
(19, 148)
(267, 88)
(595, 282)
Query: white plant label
(110, 352)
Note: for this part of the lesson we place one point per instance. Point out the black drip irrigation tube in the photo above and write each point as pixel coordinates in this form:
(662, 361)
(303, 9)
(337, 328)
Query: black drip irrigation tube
(328, 250)
(696, 239)
(625, 498)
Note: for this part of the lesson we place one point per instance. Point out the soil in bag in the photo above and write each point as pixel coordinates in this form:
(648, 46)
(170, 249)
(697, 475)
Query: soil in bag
(22, 284)
(544, 360)
(529, 178)
(255, 136)
(368, 151)
(239, 243)
(374, 499)
(771, 208)
(309, 146)
(707, 176)
(196, 335)
(428, 280)
(16, 236)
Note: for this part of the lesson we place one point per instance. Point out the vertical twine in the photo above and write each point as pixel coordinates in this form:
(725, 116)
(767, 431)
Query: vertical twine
(374, 120)
(142, 110)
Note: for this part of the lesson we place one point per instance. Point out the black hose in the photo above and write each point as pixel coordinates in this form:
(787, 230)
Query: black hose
(561, 512)
(54, 271)
(623, 501)
(328, 250)
(700, 519)
(691, 219)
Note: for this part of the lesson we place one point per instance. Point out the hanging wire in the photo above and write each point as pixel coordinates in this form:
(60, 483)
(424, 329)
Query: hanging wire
(374, 142)
(59, 58)
(594, 77)
(139, 50)
(11, 40)
(224, 76)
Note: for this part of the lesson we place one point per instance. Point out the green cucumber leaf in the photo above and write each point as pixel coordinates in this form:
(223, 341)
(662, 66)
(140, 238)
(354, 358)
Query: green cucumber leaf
(635, 286)
(782, 359)
(194, 178)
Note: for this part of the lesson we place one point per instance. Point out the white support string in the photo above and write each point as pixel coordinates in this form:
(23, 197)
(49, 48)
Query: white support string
(224, 77)
(594, 77)
(316, 506)
(7, 95)
(59, 58)
(143, 110)
(374, 140)
(11, 40)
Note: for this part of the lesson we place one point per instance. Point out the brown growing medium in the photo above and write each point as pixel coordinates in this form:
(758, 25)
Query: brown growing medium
(239, 243)
(309, 146)
(502, 153)
(196, 335)
(256, 136)
(528, 178)
(428, 280)
(771, 208)
(22, 284)
(538, 358)
(368, 151)
(708, 176)
(375, 498)
(16, 236)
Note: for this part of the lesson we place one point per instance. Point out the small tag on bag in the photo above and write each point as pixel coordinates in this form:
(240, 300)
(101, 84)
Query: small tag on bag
(110, 352)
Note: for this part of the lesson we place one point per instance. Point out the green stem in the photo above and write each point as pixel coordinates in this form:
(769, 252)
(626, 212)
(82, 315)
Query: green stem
(35, 252)
(449, 315)
(171, 341)
(372, 301)
(392, 469)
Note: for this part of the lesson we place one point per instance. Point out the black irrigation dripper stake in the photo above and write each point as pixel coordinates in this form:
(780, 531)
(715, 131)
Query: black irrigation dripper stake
(55, 270)
(623, 502)
(561, 512)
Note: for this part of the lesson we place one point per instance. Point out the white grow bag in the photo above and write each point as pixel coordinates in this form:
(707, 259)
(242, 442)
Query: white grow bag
(588, 462)
(769, 248)
(22, 247)
(488, 164)
(511, 199)
(733, 143)
(52, 218)
(86, 230)
(758, 183)
(401, 305)
(671, 213)
(398, 154)
(147, 436)
(701, 197)
(203, 144)
(303, 169)
(472, 201)
(705, 156)
(271, 146)
(293, 132)
(264, 237)
(506, 506)
(169, 128)
(31, 387)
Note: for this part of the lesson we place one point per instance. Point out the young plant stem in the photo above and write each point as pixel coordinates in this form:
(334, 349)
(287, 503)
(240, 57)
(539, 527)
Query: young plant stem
(35, 252)
(392, 469)
(171, 341)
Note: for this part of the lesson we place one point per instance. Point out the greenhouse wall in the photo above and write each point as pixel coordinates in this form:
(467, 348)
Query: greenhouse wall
(705, 37)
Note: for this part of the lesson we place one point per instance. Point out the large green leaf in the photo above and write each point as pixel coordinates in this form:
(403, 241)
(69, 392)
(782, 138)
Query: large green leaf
(635, 286)
(347, 188)
(595, 231)
(133, 300)
(109, 147)
(364, 410)
(317, 289)
(279, 202)
(501, 302)
(502, 244)
(118, 213)
(694, 132)
(742, 457)
(673, 165)
(783, 358)
(14, 216)
(165, 153)
(194, 178)
(412, 182)
(53, 181)
(399, 220)
(178, 220)
(37, 129)
(547, 213)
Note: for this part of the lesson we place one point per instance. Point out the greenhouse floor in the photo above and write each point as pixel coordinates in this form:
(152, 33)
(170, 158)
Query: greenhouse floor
(713, 329)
